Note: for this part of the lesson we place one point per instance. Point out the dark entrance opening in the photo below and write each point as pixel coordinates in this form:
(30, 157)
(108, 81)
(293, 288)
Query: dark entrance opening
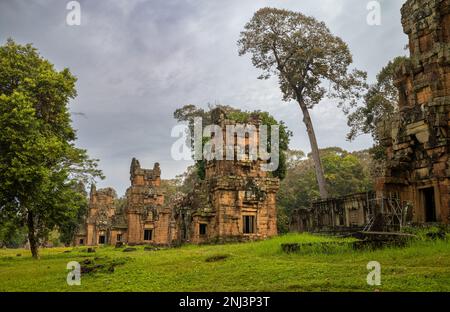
(249, 224)
(183, 228)
(429, 204)
(101, 239)
(304, 225)
(148, 235)
(202, 229)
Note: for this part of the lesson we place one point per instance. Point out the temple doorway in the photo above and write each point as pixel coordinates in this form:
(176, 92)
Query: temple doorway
(429, 204)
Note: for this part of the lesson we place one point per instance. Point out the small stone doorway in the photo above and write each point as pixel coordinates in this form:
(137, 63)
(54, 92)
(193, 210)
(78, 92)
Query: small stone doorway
(429, 204)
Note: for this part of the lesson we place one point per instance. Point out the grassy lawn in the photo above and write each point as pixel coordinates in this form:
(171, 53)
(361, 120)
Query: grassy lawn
(256, 266)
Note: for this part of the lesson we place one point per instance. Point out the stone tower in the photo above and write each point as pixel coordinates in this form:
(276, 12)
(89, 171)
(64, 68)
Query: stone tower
(101, 210)
(237, 200)
(417, 168)
(148, 220)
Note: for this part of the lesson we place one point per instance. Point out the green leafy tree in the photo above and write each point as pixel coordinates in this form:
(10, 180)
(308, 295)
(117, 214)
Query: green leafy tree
(187, 181)
(12, 234)
(309, 61)
(188, 112)
(70, 226)
(282, 220)
(40, 167)
(379, 106)
(170, 188)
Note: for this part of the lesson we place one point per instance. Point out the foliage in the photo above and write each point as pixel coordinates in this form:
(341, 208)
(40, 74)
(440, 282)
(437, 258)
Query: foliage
(53, 239)
(12, 235)
(429, 232)
(282, 220)
(120, 204)
(346, 173)
(187, 180)
(69, 226)
(170, 188)
(188, 112)
(378, 108)
(40, 167)
(303, 53)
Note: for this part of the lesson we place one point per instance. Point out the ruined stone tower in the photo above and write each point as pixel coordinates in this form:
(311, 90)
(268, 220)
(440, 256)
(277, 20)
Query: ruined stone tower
(237, 200)
(141, 218)
(417, 169)
(99, 226)
(148, 220)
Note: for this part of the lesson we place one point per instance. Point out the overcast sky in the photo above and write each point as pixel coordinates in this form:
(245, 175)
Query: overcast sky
(137, 61)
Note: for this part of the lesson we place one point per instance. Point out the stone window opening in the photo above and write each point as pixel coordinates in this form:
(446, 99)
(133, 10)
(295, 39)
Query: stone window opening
(202, 229)
(119, 237)
(81, 241)
(148, 235)
(248, 224)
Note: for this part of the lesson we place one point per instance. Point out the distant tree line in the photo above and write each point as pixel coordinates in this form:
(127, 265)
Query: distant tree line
(345, 173)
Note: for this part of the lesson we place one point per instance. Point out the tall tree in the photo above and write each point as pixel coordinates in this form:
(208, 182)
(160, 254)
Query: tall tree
(304, 55)
(40, 167)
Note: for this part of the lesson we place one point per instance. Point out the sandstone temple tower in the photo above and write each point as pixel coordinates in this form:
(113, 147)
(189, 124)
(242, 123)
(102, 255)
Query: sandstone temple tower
(418, 165)
(99, 226)
(141, 218)
(148, 219)
(236, 200)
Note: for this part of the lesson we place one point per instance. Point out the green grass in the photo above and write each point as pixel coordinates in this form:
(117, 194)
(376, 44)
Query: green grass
(256, 266)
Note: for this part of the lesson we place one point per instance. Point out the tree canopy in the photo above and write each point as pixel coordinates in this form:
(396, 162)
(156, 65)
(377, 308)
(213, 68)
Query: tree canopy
(346, 173)
(302, 53)
(188, 112)
(380, 103)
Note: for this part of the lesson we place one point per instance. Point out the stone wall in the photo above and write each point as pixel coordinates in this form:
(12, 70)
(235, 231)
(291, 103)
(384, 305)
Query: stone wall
(346, 213)
(417, 142)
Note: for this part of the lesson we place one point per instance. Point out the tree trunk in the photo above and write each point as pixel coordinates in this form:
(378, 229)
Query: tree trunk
(32, 236)
(314, 150)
